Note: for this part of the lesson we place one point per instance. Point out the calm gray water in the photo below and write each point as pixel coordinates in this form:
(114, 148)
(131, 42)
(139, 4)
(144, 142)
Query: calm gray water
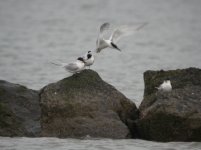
(35, 32)
(92, 144)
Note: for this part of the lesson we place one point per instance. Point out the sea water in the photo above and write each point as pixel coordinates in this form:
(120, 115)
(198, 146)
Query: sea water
(34, 33)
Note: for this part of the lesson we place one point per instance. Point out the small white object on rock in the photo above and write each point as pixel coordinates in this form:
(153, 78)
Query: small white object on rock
(165, 86)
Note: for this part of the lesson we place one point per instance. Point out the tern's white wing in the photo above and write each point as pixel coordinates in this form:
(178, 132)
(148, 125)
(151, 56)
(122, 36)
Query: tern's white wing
(103, 28)
(124, 30)
(71, 67)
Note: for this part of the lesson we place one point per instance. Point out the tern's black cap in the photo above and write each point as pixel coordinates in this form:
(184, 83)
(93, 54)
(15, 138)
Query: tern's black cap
(89, 56)
(80, 58)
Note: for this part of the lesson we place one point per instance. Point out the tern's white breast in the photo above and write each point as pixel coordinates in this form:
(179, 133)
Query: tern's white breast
(166, 86)
(80, 65)
(89, 61)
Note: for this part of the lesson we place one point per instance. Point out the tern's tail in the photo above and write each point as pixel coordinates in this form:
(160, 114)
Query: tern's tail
(58, 64)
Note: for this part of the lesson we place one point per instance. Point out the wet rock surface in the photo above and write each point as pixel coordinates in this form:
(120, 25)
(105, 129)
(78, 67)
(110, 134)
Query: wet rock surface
(19, 110)
(172, 116)
(84, 105)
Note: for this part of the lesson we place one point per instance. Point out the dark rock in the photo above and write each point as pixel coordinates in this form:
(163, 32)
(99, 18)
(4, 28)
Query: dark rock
(19, 110)
(84, 104)
(173, 116)
(179, 79)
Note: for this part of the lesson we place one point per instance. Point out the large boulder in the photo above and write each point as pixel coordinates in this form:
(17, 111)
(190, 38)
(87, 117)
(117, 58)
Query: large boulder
(173, 116)
(19, 110)
(84, 105)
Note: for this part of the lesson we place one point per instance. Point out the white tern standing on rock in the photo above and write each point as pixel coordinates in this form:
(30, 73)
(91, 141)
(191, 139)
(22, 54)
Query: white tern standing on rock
(88, 59)
(165, 86)
(74, 67)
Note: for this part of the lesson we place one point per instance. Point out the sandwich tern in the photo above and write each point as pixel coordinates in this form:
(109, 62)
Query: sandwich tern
(165, 86)
(73, 67)
(88, 59)
(116, 35)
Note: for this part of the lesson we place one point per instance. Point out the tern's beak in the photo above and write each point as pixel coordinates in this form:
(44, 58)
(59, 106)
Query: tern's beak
(115, 46)
(118, 49)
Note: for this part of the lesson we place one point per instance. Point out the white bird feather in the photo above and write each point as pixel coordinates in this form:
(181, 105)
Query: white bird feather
(165, 86)
(117, 34)
(73, 67)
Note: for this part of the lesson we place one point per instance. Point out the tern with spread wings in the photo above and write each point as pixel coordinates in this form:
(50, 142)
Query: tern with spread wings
(116, 35)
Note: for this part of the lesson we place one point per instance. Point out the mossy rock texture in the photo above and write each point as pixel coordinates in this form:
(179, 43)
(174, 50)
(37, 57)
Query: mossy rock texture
(173, 116)
(84, 105)
(19, 110)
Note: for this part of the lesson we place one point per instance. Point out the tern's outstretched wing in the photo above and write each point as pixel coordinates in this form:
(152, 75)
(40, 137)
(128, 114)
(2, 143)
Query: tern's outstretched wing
(103, 28)
(124, 30)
